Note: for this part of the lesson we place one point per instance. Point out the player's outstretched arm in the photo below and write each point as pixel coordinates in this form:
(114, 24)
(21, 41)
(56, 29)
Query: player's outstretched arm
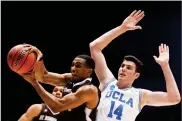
(172, 96)
(33, 111)
(102, 71)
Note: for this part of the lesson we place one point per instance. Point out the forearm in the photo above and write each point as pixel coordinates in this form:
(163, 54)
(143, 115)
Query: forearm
(171, 86)
(101, 42)
(24, 118)
(48, 98)
(51, 78)
(56, 79)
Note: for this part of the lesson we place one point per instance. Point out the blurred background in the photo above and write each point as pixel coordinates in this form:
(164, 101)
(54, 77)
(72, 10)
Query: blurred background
(62, 30)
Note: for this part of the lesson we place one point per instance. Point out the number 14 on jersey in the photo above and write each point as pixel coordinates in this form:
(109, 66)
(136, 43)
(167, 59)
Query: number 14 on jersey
(115, 111)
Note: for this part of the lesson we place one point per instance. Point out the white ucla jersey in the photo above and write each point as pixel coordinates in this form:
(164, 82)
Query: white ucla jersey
(118, 104)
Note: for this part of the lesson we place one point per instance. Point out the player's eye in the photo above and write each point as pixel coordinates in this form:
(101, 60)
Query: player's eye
(78, 66)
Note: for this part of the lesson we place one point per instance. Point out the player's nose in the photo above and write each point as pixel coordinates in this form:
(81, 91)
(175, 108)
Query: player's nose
(57, 93)
(73, 69)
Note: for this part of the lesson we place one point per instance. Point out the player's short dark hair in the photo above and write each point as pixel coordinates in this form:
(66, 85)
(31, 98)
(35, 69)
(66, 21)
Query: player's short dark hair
(89, 61)
(137, 62)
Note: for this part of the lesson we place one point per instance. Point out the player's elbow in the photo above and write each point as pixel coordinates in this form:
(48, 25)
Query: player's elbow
(178, 99)
(94, 46)
(91, 45)
(175, 100)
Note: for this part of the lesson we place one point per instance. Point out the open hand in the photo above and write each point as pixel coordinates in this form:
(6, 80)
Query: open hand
(130, 22)
(163, 58)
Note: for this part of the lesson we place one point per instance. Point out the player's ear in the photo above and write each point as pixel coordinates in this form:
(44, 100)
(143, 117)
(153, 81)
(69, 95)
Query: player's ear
(137, 75)
(90, 71)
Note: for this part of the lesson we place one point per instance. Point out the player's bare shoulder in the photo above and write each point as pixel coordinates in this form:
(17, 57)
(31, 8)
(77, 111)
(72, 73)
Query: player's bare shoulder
(90, 94)
(88, 89)
(36, 106)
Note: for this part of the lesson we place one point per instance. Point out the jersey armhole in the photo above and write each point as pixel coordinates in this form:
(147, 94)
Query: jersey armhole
(54, 113)
(43, 107)
(113, 79)
(140, 96)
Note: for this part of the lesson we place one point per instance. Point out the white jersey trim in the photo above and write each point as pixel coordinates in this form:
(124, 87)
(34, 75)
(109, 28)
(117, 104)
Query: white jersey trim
(52, 111)
(140, 96)
(113, 79)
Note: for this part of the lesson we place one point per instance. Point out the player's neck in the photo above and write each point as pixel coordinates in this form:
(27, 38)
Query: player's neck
(123, 85)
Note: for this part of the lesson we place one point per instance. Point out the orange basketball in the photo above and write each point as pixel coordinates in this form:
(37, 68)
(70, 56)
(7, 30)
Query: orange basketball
(20, 60)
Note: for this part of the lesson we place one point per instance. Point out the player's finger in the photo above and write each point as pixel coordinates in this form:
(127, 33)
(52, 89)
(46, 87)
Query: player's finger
(165, 47)
(133, 13)
(137, 13)
(140, 16)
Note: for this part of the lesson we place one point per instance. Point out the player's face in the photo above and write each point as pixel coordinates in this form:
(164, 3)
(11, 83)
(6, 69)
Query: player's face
(127, 71)
(79, 69)
(57, 91)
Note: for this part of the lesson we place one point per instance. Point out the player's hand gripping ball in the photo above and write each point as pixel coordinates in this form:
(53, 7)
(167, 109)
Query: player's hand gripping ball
(20, 60)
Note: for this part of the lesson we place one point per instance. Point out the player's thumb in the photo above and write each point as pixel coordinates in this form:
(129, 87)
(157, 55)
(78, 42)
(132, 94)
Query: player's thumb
(40, 57)
(138, 27)
(155, 57)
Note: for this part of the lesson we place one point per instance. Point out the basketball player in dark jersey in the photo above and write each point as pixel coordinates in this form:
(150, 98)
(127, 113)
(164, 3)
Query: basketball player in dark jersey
(81, 93)
(41, 112)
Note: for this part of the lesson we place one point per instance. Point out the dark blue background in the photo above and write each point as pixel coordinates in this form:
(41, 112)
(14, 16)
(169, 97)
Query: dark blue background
(62, 30)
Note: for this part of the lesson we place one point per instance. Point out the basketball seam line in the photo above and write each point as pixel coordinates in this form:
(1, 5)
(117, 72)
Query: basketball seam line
(14, 59)
(22, 63)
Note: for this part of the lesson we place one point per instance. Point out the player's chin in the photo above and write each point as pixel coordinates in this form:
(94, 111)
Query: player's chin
(121, 77)
(75, 77)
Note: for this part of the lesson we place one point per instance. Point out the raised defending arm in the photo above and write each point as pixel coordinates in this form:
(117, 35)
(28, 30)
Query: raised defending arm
(102, 71)
(172, 96)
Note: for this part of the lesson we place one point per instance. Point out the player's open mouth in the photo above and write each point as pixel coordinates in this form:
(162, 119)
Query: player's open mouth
(122, 74)
(58, 96)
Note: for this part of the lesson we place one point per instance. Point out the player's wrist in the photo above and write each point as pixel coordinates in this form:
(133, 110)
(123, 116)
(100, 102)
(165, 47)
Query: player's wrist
(165, 65)
(34, 83)
(122, 28)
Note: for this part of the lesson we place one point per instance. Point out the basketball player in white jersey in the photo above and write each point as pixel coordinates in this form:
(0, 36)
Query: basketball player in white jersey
(119, 100)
